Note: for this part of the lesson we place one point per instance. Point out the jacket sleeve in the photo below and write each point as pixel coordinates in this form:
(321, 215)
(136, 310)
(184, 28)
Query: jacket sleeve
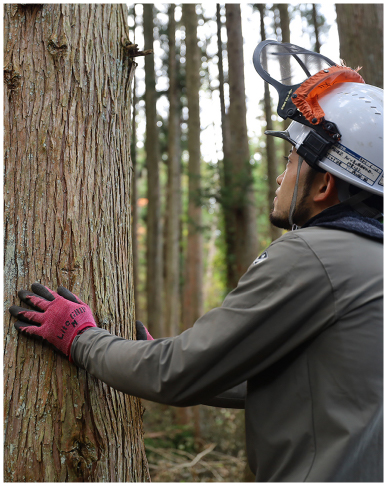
(233, 398)
(280, 303)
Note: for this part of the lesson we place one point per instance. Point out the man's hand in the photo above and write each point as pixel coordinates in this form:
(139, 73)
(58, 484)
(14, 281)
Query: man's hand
(56, 317)
(142, 333)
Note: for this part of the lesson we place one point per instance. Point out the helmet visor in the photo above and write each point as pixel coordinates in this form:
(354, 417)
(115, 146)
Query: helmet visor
(287, 64)
(295, 134)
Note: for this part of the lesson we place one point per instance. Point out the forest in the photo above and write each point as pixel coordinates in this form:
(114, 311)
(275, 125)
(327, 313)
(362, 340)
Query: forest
(135, 139)
(204, 244)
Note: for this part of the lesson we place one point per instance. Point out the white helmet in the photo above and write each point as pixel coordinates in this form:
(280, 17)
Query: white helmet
(337, 119)
(357, 111)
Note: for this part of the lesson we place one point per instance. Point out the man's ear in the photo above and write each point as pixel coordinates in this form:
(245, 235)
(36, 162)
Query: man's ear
(326, 190)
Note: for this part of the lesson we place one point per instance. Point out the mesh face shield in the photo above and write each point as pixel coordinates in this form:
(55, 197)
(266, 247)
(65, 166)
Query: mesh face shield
(300, 76)
(286, 67)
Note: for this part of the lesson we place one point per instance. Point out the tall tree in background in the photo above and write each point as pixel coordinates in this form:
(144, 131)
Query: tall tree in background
(225, 165)
(242, 237)
(193, 284)
(67, 222)
(154, 232)
(272, 171)
(173, 212)
(284, 21)
(360, 27)
(316, 25)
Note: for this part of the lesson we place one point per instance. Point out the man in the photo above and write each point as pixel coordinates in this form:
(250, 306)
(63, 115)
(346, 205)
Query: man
(298, 343)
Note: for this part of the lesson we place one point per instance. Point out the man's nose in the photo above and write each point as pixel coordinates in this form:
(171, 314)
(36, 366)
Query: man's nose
(279, 178)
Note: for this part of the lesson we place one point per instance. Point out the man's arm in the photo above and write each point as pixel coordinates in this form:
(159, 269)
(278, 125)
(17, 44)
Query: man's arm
(233, 398)
(276, 307)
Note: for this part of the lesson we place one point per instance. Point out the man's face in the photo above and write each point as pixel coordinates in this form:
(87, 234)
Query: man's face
(279, 215)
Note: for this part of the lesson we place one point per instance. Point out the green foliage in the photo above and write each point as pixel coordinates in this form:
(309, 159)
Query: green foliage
(306, 12)
(179, 437)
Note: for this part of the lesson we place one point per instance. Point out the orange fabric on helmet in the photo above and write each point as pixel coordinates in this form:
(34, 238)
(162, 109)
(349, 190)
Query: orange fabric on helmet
(309, 91)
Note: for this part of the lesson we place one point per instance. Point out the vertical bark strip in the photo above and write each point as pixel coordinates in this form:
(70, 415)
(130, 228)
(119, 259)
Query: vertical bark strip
(67, 175)
(134, 200)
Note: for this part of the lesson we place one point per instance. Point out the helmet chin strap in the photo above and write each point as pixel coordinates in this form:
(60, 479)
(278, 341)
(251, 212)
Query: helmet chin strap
(294, 198)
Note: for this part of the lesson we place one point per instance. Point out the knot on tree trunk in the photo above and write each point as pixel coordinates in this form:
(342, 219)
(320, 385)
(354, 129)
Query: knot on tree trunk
(58, 47)
(11, 77)
(132, 49)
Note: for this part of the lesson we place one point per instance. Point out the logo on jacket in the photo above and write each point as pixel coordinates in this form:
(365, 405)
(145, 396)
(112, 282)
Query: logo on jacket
(260, 258)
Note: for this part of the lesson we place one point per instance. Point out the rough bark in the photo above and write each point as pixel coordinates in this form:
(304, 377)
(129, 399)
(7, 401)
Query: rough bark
(67, 222)
(172, 284)
(360, 27)
(154, 231)
(134, 207)
(193, 284)
(243, 229)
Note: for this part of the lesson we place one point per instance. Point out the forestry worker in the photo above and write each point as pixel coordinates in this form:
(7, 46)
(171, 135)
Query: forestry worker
(298, 343)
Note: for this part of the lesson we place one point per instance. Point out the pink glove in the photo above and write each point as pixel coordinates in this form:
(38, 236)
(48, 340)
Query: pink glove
(57, 318)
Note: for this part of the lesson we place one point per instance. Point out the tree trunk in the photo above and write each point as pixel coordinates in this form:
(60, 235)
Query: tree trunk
(243, 230)
(211, 253)
(67, 222)
(285, 36)
(272, 171)
(225, 166)
(284, 21)
(193, 287)
(317, 45)
(360, 27)
(172, 287)
(154, 231)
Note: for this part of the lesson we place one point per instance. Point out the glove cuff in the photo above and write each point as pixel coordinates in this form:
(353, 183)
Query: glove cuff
(81, 329)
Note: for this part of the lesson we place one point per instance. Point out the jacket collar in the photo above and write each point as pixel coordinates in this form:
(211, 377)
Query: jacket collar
(347, 219)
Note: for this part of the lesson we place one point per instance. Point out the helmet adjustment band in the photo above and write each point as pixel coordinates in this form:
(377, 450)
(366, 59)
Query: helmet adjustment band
(313, 148)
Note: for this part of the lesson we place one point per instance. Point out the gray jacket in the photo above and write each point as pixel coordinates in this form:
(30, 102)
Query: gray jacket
(300, 339)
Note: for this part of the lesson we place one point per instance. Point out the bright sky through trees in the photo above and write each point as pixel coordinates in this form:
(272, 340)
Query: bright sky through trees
(211, 145)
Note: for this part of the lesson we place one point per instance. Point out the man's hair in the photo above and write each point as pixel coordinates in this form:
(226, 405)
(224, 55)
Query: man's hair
(374, 201)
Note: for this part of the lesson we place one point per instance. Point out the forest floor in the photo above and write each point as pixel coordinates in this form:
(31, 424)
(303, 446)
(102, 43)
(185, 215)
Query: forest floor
(197, 444)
